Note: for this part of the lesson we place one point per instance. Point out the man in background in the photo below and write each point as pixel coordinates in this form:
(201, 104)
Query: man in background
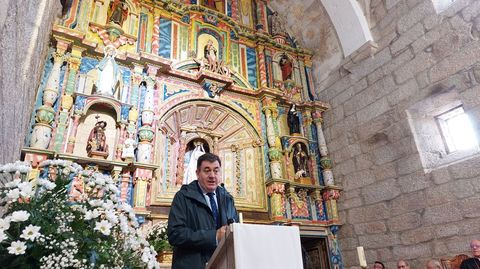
(378, 265)
(473, 263)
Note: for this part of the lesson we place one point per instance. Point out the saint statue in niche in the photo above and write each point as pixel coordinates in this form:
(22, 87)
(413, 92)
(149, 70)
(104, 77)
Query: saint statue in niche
(110, 75)
(117, 12)
(300, 158)
(210, 53)
(293, 121)
(191, 158)
(97, 138)
(286, 66)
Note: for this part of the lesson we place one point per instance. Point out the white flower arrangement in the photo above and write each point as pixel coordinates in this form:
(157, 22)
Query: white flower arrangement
(158, 238)
(44, 227)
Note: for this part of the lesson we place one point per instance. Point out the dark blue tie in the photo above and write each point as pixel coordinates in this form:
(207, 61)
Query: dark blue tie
(214, 208)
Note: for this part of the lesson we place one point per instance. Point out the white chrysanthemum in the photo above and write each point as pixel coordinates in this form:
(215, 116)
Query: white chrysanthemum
(111, 216)
(20, 215)
(4, 223)
(103, 226)
(108, 205)
(26, 189)
(17, 248)
(96, 202)
(47, 184)
(91, 214)
(13, 194)
(30, 232)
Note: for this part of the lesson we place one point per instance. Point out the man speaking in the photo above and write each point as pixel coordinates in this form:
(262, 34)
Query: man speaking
(199, 216)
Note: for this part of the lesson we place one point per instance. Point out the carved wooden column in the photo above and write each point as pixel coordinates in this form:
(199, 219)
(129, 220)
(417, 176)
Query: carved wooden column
(156, 35)
(325, 161)
(318, 204)
(42, 130)
(274, 151)
(330, 197)
(141, 179)
(125, 187)
(146, 132)
(261, 66)
(74, 62)
(276, 193)
(261, 14)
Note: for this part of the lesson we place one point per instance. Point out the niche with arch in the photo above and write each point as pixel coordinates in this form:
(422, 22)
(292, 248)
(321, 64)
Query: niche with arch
(96, 113)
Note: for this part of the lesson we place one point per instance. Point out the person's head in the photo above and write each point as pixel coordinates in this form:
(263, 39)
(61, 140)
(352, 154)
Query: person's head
(403, 264)
(433, 264)
(378, 265)
(208, 171)
(475, 247)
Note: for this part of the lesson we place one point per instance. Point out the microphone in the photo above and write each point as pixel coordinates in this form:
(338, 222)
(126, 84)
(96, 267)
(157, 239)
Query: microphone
(230, 220)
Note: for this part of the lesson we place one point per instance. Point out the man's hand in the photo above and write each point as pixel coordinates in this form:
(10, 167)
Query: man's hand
(221, 233)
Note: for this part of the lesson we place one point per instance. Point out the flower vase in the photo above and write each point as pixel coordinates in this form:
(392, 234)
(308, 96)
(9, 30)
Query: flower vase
(165, 256)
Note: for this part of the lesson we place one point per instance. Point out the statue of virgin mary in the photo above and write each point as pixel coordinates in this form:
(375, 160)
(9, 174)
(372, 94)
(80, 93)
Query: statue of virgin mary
(110, 75)
(190, 174)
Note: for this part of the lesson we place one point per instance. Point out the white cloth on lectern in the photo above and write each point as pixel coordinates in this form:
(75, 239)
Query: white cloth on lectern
(190, 174)
(267, 246)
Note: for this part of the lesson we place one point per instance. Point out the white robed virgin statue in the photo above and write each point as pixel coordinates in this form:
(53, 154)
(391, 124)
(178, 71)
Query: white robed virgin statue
(109, 73)
(190, 174)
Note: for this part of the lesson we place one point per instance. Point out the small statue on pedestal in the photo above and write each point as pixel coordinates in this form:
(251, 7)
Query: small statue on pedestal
(128, 152)
(293, 121)
(96, 144)
(300, 158)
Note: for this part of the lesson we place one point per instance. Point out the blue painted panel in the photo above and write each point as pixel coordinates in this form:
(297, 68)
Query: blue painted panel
(165, 38)
(252, 66)
(87, 64)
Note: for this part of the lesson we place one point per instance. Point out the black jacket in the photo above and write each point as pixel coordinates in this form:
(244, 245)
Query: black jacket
(470, 263)
(191, 228)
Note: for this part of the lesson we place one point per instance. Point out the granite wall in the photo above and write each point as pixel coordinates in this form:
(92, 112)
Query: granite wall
(25, 29)
(391, 205)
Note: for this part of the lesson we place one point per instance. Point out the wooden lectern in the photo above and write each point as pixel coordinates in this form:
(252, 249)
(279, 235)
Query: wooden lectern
(250, 246)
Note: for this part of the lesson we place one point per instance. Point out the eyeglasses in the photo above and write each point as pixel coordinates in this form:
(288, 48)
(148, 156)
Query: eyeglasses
(475, 246)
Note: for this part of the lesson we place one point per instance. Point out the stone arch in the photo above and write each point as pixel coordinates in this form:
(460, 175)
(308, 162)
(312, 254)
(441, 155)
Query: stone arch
(350, 24)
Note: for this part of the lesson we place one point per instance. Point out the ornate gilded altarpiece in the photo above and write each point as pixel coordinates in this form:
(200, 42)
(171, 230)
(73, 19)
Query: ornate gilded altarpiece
(134, 88)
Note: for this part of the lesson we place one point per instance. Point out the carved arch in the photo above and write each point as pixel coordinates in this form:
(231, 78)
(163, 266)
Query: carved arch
(233, 138)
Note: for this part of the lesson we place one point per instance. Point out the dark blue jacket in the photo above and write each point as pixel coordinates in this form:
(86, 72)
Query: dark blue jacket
(191, 228)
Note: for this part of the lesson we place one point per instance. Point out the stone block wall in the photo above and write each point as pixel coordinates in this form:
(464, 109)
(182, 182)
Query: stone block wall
(25, 28)
(390, 204)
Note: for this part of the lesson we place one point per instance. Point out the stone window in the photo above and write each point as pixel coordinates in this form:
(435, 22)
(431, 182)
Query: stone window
(457, 131)
(442, 131)
(441, 5)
